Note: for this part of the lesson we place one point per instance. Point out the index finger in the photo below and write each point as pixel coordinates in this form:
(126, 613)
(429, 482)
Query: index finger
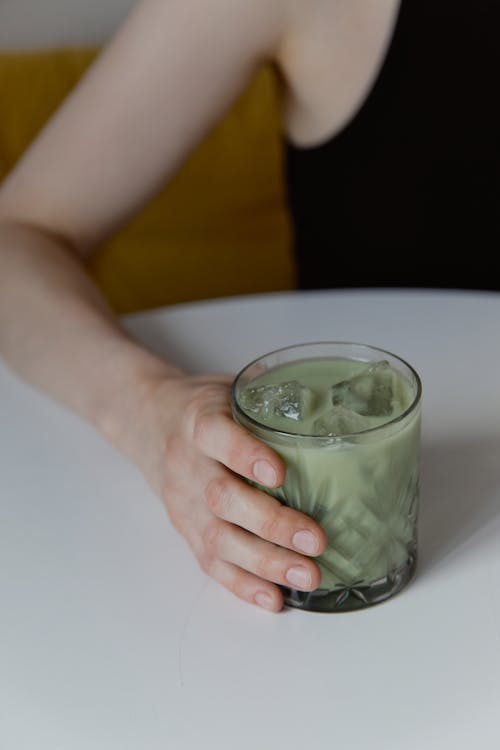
(218, 437)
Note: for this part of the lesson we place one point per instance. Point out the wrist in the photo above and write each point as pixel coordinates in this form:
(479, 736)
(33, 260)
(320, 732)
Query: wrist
(124, 414)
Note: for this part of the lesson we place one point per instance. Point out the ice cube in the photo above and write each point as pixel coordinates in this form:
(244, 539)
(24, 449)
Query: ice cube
(295, 401)
(371, 393)
(257, 401)
(290, 400)
(340, 421)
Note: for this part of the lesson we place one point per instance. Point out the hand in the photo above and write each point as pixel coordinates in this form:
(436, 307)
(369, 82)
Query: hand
(242, 537)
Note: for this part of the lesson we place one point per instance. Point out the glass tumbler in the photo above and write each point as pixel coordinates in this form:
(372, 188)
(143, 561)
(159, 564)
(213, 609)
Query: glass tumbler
(362, 488)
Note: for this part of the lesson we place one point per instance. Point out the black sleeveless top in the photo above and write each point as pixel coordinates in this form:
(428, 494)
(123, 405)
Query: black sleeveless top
(408, 193)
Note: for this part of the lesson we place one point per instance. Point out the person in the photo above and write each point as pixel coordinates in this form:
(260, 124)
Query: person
(392, 166)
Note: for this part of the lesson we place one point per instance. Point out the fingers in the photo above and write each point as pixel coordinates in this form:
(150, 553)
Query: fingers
(249, 567)
(218, 437)
(223, 541)
(246, 586)
(243, 538)
(231, 500)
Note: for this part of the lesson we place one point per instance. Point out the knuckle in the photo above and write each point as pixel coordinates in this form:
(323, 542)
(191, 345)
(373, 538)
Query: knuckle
(241, 440)
(237, 585)
(243, 448)
(212, 536)
(271, 525)
(239, 453)
(207, 396)
(219, 495)
(265, 567)
(203, 424)
(213, 392)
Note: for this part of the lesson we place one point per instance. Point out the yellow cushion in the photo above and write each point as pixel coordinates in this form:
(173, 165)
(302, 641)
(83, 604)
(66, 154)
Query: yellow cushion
(220, 227)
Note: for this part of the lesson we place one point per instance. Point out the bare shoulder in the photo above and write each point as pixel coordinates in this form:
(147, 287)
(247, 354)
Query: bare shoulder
(329, 56)
(167, 76)
(254, 22)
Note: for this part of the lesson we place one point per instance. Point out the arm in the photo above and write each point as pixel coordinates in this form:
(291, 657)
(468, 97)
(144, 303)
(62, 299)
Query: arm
(164, 80)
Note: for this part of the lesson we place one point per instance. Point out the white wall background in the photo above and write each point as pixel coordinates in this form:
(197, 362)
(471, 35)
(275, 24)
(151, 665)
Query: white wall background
(46, 23)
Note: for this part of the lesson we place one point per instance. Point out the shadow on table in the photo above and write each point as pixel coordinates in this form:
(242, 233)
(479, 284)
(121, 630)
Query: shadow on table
(460, 494)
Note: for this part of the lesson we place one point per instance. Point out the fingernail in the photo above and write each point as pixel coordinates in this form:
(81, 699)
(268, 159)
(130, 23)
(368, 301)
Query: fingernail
(264, 473)
(305, 542)
(264, 600)
(299, 577)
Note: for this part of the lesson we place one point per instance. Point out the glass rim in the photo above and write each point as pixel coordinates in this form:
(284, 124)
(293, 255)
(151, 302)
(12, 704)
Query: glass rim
(327, 438)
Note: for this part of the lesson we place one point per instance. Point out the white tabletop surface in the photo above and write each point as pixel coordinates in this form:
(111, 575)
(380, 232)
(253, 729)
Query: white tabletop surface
(112, 639)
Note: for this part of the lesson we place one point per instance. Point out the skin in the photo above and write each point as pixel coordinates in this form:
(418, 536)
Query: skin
(121, 134)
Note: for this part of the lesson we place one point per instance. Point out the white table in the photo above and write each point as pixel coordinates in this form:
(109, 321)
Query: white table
(112, 639)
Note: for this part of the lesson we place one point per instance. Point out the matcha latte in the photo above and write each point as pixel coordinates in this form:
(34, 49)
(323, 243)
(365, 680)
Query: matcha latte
(346, 420)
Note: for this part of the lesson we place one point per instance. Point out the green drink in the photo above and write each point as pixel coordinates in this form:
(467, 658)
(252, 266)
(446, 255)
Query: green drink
(346, 420)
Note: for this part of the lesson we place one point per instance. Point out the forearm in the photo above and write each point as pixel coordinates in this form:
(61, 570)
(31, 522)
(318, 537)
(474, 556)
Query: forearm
(57, 332)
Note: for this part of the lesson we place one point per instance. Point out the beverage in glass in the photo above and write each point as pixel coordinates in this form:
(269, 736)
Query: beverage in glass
(346, 420)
